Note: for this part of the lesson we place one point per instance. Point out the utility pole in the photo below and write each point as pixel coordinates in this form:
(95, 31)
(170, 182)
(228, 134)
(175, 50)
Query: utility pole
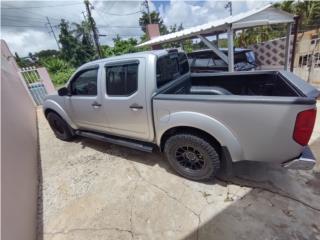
(229, 5)
(93, 27)
(146, 3)
(84, 16)
(51, 31)
(294, 45)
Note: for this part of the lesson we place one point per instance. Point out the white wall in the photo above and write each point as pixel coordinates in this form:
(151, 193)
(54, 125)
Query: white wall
(19, 155)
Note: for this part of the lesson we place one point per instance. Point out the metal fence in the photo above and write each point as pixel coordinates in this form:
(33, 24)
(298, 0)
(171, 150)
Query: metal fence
(34, 83)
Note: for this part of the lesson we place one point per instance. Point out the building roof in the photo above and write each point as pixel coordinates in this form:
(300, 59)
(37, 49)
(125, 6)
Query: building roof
(257, 17)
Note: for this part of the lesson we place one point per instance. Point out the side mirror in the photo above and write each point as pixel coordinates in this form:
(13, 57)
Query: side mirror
(63, 91)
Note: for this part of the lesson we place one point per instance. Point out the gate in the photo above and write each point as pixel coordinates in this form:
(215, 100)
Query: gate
(34, 83)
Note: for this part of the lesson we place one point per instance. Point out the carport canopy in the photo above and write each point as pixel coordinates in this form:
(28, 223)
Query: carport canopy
(266, 15)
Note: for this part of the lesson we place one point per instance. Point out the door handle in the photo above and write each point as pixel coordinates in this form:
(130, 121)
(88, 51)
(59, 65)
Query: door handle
(96, 105)
(135, 107)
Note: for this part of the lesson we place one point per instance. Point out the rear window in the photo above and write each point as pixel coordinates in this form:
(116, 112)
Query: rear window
(170, 67)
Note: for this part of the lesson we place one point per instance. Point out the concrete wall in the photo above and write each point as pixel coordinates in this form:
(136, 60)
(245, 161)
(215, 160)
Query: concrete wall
(44, 75)
(19, 155)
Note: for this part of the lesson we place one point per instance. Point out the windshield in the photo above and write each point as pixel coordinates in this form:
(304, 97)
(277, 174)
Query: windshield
(170, 67)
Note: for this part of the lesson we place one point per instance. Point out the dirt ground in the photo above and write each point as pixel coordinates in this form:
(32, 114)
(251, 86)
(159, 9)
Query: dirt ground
(93, 190)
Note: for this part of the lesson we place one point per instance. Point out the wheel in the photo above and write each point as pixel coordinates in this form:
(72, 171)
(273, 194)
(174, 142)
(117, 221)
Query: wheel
(192, 157)
(60, 128)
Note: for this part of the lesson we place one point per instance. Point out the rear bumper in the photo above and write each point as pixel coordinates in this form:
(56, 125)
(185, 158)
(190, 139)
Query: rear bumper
(306, 161)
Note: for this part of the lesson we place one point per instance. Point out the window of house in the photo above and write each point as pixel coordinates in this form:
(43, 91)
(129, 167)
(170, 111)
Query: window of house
(122, 80)
(85, 83)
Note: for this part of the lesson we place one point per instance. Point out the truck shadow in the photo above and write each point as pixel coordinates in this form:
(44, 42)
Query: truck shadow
(282, 204)
(277, 199)
(250, 174)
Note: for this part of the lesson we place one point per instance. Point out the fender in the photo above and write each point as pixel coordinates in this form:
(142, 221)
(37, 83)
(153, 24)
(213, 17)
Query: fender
(53, 105)
(205, 123)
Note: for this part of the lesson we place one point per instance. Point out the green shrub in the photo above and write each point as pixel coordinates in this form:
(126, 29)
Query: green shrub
(61, 77)
(60, 71)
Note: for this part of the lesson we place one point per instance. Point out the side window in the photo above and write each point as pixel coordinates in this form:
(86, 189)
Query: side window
(122, 80)
(85, 83)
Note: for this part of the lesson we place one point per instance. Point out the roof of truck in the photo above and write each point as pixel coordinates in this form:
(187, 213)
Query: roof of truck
(157, 53)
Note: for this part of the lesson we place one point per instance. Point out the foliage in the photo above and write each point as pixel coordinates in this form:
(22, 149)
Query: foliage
(61, 77)
(47, 53)
(76, 44)
(60, 70)
(155, 18)
(309, 12)
(258, 34)
(120, 47)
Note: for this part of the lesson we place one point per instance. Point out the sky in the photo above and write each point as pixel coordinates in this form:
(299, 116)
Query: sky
(25, 29)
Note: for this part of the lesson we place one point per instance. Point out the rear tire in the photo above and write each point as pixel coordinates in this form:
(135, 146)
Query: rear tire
(60, 127)
(192, 156)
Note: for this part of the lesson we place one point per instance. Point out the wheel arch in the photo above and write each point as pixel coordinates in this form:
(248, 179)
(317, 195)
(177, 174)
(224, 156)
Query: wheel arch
(52, 106)
(202, 125)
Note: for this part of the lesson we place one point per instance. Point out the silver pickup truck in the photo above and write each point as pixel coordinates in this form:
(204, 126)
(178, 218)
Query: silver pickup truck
(149, 100)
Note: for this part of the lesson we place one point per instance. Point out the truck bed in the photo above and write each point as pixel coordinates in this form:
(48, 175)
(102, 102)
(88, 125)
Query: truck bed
(258, 108)
(244, 84)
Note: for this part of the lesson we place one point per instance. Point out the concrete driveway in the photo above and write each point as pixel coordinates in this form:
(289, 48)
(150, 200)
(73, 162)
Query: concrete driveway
(93, 190)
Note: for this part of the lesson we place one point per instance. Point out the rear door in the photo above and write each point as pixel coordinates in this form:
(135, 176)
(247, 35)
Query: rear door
(124, 99)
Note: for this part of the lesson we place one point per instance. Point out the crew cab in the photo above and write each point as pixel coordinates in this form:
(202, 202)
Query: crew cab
(150, 100)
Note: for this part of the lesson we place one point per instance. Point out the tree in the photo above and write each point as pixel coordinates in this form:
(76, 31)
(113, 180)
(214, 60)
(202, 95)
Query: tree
(309, 12)
(155, 18)
(120, 47)
(83, 36)
(47, 53)
(76, 44)
(68, 42)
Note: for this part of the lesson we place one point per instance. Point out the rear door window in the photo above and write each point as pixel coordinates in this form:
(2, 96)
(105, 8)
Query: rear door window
(170, 67)
(122, 80)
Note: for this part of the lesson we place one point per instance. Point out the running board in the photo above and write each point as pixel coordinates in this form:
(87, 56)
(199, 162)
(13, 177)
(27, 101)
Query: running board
(138, 145)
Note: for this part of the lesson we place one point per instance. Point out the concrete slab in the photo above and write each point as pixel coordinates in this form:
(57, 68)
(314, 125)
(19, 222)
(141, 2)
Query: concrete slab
(94, 190)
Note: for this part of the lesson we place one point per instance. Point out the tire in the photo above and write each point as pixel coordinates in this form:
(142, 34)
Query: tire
(192, 156)
(60, 127)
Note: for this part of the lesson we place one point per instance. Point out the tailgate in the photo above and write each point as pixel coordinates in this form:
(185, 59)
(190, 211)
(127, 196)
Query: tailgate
(304, 87)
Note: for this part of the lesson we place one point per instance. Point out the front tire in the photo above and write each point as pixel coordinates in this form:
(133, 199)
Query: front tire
(60, 127)
(192, 156)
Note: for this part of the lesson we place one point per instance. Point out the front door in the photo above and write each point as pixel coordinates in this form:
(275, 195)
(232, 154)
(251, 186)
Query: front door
(125, 99)
(84, 105)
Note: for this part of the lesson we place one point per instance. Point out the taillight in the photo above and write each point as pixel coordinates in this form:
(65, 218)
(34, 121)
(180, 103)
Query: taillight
(304, 126)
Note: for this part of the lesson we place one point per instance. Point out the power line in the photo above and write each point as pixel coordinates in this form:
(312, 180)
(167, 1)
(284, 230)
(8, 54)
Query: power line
(54, 35)
(119, 14)
(34, 13)
(29, 26)
(21, 20)
(124, 14)
(61, 5)
(107, 26)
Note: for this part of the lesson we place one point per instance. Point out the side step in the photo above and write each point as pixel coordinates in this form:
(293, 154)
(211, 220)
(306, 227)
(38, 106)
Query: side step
(138, 145)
